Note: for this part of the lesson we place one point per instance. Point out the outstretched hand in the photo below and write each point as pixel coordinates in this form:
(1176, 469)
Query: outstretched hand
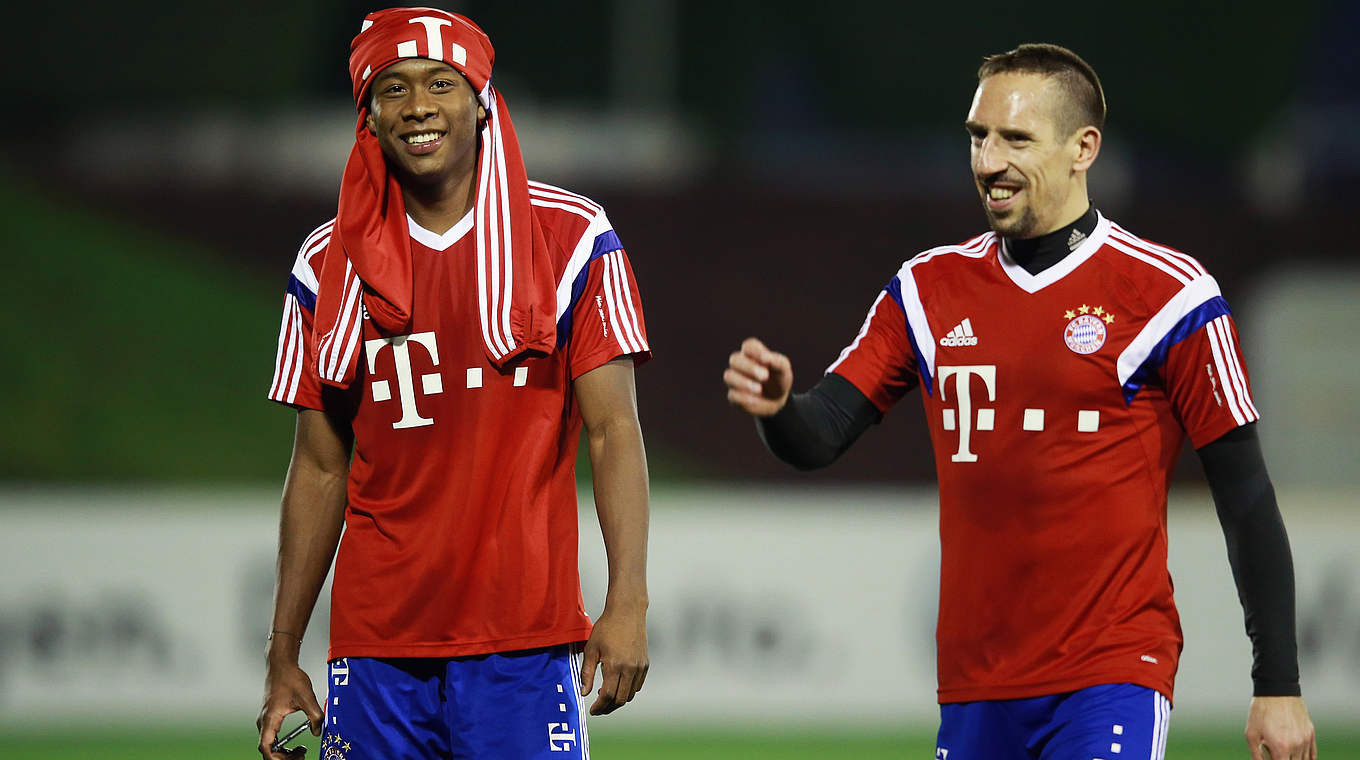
(1278, 728)
(758, 379)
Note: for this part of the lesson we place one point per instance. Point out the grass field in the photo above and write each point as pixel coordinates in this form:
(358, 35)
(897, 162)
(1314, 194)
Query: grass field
(1337, 743)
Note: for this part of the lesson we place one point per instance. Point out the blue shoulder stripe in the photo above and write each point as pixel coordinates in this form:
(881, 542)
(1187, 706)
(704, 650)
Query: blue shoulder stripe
(605, 242)
(304, 296)
(1188, 325)
(895, 290)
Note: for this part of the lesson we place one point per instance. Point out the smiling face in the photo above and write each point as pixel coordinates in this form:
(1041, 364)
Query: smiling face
(425, 116)
(1031, 177)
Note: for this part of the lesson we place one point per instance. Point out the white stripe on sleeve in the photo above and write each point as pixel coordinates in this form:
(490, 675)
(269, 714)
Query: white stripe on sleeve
(610, 299)
(1235, 360)
(299, 352)
(285, 351)
(1226, 381)
(628, 313)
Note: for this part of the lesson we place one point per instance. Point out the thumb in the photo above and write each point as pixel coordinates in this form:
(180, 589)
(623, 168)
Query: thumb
(592, 660)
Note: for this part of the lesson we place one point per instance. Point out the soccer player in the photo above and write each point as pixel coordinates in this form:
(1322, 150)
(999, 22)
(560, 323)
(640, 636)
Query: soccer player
(1061, 361)
(443, 340)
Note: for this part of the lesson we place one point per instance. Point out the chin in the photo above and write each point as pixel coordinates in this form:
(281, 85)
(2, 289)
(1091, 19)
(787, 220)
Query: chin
(1013, 225)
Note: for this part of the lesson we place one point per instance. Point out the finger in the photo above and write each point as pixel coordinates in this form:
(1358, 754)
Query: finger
(740, 381)
(778, 362)
(624, 693)
(607, 700)
(296, 753)
(633, 685)
(271, 721)
(639, 676)
(754, 348)
(1255, 745)
(749, 366)
(315, 715)
(588, 665)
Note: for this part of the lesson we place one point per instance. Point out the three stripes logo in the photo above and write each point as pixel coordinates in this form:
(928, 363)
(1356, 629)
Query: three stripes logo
(961, 335)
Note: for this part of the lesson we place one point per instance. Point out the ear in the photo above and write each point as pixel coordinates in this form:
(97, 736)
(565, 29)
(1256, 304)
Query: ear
(481, 113)
(1085, 148)
(370, 123)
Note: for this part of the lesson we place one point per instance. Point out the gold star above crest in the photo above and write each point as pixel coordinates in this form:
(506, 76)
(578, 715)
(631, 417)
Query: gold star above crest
(1069, 314)
(1084, 309)
(347, 746)
(1099, 311)
(1109, 319)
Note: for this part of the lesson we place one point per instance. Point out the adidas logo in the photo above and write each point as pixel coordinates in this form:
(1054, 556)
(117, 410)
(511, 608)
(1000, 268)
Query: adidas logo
(961, 335)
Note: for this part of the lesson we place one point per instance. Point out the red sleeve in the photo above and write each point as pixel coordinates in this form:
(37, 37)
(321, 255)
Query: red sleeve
(606, 319)
(1206, 379)
(880, 361)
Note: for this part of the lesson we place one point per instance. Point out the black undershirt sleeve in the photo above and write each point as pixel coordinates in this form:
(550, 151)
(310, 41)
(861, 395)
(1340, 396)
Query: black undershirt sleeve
(1258, 551)
(816, 427)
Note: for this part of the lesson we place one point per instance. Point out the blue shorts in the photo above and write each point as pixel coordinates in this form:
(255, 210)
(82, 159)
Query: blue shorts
(1111, 722)
(512, 705)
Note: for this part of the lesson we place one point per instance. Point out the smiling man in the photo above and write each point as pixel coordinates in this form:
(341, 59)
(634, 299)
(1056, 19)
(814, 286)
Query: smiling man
(1062, 360)
(444, 338)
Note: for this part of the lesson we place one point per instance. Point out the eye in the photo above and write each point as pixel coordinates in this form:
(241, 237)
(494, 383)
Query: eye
(441, 84)
(393, 89)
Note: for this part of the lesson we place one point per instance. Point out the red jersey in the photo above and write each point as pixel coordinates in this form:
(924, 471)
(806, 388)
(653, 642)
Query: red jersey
(460, 529)
(1057, 405)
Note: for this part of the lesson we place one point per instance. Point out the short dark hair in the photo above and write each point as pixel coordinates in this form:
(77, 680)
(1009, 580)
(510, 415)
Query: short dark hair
(1077, 79)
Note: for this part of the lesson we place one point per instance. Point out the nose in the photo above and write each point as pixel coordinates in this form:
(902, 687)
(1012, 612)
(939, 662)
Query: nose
(990, 158)
(420, 105)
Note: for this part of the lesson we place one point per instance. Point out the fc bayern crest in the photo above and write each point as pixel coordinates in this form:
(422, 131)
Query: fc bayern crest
(1085, 334)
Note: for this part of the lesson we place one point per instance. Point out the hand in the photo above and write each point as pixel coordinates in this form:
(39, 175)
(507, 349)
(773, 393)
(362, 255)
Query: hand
(1282, 727)
(758, 379)
(287, 689)
(618, 645)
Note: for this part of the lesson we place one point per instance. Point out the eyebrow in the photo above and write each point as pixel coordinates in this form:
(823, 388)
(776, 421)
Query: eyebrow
(1009, 133)
(435, 68)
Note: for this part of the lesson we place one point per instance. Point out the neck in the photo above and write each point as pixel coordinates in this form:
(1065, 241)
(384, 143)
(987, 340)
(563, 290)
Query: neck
(437, 207)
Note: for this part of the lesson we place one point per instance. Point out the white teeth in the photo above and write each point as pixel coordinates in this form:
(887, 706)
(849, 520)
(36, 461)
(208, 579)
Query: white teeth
(421, 138)
(1000, 193)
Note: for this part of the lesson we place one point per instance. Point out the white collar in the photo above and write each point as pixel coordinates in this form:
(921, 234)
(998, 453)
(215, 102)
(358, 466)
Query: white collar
(436, 241)
(1033, 283)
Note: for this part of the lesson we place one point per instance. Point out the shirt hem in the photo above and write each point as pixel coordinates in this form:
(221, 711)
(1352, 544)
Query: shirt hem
(453, 648)
(1025, 691)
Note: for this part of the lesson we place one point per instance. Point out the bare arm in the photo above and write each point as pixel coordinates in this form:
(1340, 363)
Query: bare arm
(310, 521)
(619, 641)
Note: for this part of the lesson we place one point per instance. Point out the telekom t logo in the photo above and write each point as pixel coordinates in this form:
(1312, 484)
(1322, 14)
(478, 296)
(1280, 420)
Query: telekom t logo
(430, 384)
(434, 41)
(986, 418)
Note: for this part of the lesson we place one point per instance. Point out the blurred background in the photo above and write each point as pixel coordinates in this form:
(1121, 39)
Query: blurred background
(768, 166)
